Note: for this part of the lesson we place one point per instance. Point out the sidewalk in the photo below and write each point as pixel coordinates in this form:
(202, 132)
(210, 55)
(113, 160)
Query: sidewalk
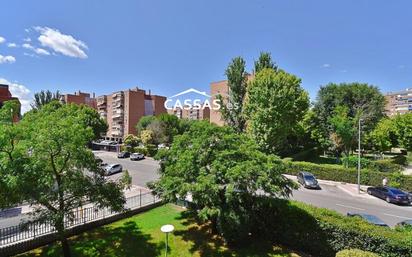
(25, 209)
(351, 189)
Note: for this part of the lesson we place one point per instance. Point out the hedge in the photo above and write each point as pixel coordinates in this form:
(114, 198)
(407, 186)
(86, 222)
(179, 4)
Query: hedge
(355, 253)
(348, 175)
(323, 232)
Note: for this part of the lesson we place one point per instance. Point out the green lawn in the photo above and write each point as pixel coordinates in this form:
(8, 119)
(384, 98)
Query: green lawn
(140, 236)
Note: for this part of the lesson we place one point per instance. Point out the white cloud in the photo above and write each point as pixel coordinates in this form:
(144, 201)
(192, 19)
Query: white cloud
(343, 71)
(12, 45)
(7, 59)
(27, 46)
(326, 65)
(2, 40)
(41, 51)
(21, 92)
(27, 39)
(61, 43)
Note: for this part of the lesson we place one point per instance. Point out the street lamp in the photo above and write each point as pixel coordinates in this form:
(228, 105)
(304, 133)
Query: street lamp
(359, 153)
(167, 229)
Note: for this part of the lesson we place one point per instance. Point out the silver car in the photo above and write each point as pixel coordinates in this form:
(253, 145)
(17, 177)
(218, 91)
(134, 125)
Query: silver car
(112, 169)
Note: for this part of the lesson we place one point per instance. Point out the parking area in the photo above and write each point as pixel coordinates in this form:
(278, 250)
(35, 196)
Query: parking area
(142, 171)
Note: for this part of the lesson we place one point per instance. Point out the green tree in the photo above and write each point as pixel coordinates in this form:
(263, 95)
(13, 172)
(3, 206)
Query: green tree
(221, 171)
(403, 130)
(357, 97)
(147, 137)
(43, 162)
(144, 122)
(344, 129)
(171, 127)
(276, 104)
(44, 97)
(232, 105)
(131, 140)
(264, 62)
(383, 137)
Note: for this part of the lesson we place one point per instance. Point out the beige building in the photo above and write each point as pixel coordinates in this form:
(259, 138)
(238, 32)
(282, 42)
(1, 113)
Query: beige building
(191, 113)
(123, 109)
(398, 102)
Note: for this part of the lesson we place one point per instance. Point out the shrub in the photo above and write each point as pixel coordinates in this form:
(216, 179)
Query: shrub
(151, 150)
(348, 175)
(323, 232)
(140, 149)
(355, 253)
(386, 165)
(352, 162)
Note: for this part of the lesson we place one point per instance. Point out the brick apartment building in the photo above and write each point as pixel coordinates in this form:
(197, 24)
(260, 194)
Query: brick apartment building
(5, 95)
(191, 113)
(398, 102)
(220, 88)
(123, 109)
(80, 98)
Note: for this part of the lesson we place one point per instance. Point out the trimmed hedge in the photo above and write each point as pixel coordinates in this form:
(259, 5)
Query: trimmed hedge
(355, 253)
(348, 175)
(323, 232)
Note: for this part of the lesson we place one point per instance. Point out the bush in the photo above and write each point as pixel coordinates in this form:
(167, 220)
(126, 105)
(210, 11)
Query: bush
(348, 175)
(352, 162)
(151, 150)
(355, 253)
(386, 165)
(141, 150)
(323, 232)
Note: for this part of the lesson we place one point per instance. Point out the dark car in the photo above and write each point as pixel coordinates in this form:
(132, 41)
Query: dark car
(307, 180)
(389, 194)
(123, 155)
(369, 218)
(405, 223)
(410, 197)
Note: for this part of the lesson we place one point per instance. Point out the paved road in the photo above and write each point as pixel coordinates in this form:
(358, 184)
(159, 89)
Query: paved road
(333, 198)
(142, 171)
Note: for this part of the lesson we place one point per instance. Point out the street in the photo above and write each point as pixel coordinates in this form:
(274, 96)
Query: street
(142, 171)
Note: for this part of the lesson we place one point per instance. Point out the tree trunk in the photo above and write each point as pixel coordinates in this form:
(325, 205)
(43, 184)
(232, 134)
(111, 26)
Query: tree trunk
(65, 246)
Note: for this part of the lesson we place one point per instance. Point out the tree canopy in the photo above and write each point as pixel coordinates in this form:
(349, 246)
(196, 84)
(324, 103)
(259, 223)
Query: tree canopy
(44, 97)
(44, 161)
(275, 105)
(219, 170)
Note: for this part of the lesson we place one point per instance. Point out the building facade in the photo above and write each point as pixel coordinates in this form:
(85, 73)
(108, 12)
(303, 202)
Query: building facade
(191, 113)
(123, 109)
(218, 88)
(398, 102)
(5, 95)
(79, 98)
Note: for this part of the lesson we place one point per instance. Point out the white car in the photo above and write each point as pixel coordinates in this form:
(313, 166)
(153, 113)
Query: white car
(112, 169)
(136, 156)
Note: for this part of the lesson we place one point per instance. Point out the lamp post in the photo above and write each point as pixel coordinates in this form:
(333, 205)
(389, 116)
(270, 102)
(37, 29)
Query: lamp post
(167, 229)
(359, 153)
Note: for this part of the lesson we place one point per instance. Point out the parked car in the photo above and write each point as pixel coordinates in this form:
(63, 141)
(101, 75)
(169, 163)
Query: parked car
(136, 156)
(410, 197)
(307, 180)
(112, 169)
(369, 218)
(389, 194)
(405, 223)
(123, 155)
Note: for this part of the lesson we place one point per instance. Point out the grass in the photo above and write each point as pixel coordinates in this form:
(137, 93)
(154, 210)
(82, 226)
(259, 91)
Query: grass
(140, 235)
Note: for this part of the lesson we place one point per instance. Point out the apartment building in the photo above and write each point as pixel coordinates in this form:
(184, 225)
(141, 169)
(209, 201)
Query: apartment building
(79, 98)
(398, 102)
(220, 88)
(5, 95)
(191, 113)
(123, 109)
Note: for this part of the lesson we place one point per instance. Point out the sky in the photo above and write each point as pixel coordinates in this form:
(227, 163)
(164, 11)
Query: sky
(166, 46)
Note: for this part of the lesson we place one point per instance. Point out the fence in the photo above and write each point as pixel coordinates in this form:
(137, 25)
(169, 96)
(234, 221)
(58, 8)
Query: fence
(82, 216)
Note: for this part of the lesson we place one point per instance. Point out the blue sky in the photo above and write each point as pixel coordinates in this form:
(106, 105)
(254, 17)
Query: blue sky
(168, 46)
